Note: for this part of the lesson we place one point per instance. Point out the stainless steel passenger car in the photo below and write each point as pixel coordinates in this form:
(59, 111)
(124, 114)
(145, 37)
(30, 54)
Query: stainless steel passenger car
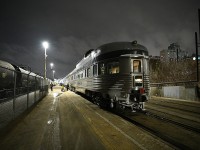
(15, 81)
(114, 74)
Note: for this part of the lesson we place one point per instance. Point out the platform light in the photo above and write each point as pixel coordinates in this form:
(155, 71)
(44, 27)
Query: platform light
(51, 64)
(45, 45)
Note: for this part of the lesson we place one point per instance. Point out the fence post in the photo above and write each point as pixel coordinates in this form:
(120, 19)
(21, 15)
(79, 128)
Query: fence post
(14, 93)
(35, 89)
(27, 90)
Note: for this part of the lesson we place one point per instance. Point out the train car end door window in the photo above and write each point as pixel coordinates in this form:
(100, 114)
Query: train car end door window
(136, 66)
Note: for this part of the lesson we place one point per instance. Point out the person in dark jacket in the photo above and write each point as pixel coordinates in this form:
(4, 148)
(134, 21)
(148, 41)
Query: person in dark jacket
(51, 86)
(67, 87)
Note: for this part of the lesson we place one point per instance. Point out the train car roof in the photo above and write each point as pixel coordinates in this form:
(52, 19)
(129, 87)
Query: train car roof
(105, 51)
(109, 47)
(6, 65)
(24, 71)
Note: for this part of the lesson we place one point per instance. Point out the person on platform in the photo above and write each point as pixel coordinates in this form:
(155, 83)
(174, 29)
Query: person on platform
(67, 87)
(63, 88)
(51, 86)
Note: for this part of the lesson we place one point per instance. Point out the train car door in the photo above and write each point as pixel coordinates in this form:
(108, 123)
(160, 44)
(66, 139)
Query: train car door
(137, 73)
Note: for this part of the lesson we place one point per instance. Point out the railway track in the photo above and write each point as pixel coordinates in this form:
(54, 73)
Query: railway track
(179, 135)
(162, 118)
(156, 125)
(180, 105)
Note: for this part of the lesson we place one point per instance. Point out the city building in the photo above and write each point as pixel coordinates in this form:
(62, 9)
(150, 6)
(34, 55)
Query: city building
(173, 53)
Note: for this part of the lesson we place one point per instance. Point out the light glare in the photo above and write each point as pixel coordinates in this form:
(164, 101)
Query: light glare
(45, 44)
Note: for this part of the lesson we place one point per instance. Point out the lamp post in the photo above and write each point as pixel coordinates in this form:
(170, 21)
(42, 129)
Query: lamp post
(45, 45)
(51, 64)
(53, 74)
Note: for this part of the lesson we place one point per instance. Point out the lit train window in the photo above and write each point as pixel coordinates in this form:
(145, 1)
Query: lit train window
(136, 66)
(113, 68)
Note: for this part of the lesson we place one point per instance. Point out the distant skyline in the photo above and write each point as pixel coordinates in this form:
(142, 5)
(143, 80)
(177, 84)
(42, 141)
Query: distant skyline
(73, 27)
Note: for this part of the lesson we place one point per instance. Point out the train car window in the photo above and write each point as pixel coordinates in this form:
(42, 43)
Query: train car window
(138, 80)
(24, 80)
(136, 66)
(113, 68)
(85, 73)
(88, 72)
(95, 70)
(79, 76)
(31, 83)
(101, 69)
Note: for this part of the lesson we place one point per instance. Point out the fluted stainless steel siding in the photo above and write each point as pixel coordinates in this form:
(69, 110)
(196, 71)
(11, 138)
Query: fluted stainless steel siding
(105, 84)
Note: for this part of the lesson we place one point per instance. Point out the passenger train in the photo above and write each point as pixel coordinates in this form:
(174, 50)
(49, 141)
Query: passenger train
(16, 81)
(113, 75)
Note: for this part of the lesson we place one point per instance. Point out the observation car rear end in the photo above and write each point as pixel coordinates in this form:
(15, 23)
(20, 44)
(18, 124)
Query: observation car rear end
(115, 74)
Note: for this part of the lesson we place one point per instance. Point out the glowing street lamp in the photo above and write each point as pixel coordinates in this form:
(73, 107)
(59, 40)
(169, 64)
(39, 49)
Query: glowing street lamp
(51, 64)
(45, 45)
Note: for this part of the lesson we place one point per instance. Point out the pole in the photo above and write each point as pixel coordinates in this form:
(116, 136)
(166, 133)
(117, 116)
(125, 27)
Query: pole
(14, 94)
(53, 74)
(45, 69)
(196, 44)
(199, 20)
(177, 54)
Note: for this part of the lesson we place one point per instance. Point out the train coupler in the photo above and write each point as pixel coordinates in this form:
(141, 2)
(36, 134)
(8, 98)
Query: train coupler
(135, 105)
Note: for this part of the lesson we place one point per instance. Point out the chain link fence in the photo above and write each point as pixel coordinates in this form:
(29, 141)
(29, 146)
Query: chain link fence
(19, 90)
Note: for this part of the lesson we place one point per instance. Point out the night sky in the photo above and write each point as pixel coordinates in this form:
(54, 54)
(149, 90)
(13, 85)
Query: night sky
(74, 26)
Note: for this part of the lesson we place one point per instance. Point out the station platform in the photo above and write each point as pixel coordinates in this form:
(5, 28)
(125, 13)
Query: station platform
(67, 121)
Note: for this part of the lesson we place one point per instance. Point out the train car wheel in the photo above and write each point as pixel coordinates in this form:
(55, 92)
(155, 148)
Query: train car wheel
(93, 99)
(111, 104)
(98, 100)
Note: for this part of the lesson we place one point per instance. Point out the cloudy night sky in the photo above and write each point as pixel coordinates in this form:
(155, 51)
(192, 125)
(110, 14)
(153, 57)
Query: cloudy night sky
(74, 26)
